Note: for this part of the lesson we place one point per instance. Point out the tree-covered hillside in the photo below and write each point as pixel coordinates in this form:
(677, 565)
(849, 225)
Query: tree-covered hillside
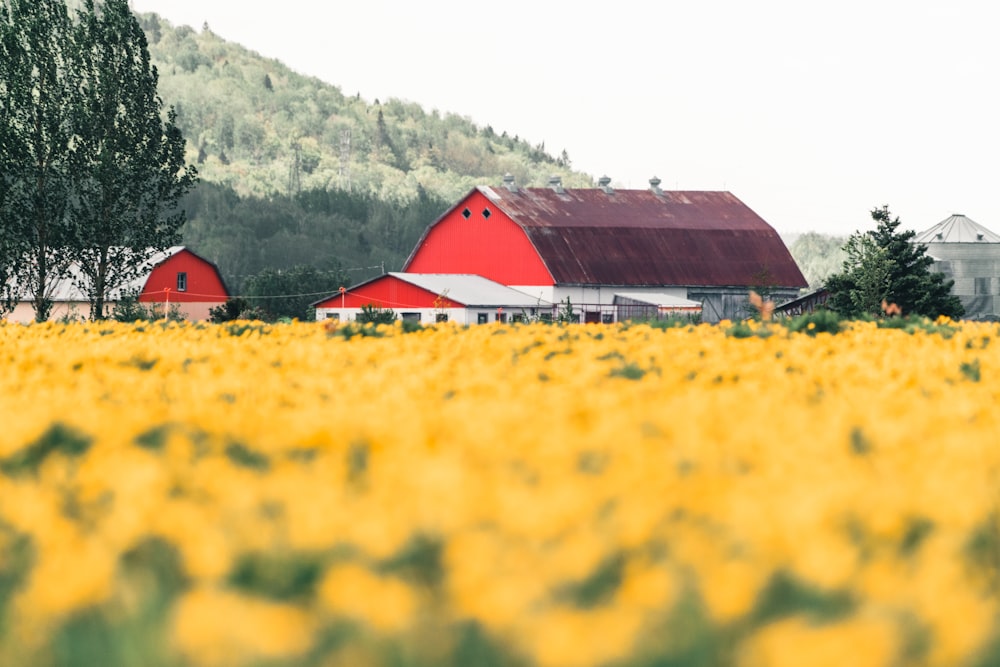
(296, 173)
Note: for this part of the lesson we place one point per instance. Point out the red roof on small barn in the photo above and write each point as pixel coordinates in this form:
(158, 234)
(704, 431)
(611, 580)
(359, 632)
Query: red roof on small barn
(642, 237)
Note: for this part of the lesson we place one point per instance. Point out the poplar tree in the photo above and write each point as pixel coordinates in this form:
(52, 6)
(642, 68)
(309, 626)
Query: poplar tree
(8, 249)
(38, 81)
(129, 170)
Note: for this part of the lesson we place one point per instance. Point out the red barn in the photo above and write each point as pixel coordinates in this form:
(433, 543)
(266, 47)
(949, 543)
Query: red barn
(429, 298)
(179, 276)
(586, 245)
(178, 279)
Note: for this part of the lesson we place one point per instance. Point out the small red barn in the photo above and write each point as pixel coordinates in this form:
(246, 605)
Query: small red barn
(586, 245)
(178, 279)
(430, 298)
(179, 276)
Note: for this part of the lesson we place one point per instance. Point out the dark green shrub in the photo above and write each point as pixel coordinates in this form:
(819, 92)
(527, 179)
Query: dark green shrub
(372, 314)
(816, 322)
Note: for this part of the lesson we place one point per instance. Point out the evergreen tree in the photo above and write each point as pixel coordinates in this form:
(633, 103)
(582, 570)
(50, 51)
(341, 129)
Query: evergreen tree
(884, 265)
(38, 83)
(129, 162)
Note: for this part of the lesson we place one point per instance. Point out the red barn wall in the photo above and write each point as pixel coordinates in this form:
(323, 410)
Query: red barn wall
(388, 292)
(494, 247)
(205, 289)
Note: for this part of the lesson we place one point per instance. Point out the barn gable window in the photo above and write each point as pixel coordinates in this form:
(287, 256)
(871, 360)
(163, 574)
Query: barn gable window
(487, 213)
(466, 214)
(182, 281)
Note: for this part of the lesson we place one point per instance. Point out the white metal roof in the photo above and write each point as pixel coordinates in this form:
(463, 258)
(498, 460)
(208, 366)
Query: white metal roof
(471, 290)
(957, 228)
(65, 289)
(659, 299)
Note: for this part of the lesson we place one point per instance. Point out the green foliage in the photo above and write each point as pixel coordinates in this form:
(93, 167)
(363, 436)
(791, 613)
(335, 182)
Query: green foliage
(129, 170)
(92, 172)
(59, 438)
(419, 562)
(818, 255)
(913, 323)
(39, 105)
(599, 587)
(629, 371)
(233, 309)
(820, 321)
(372, 314)
(349, 330)
(295, 172)
(884, 265)
(565, 314)
(128, 308)
(289, 293)
(326, 229)
(277, 576)
(971, 370)
(670, 321)
(243, 456)
(257, 111)
(153, 572)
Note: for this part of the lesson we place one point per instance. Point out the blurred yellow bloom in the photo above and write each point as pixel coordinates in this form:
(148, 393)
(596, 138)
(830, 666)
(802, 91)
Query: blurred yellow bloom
(352, 592)
(219, 629)
(859, 642)
(563, 495)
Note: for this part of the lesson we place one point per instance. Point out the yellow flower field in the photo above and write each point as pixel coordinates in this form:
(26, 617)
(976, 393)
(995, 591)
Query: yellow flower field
(269, 495)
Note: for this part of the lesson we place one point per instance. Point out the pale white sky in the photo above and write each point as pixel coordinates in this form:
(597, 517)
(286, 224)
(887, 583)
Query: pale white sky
(811, 113)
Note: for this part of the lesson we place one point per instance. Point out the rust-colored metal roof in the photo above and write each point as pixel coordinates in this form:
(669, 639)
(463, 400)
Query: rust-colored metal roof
(642, 237)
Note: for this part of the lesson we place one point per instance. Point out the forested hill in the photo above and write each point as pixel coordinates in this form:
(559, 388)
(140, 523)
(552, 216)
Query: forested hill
(296, 172)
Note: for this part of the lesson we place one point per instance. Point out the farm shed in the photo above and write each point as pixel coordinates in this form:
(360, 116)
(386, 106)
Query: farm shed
(968, 253)
(651, 306)
(586, 245)
(807, 303)
(175, 276)
(428, 298)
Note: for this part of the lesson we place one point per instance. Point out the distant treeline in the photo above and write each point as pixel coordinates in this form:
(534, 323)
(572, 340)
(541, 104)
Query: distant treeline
(329, 230)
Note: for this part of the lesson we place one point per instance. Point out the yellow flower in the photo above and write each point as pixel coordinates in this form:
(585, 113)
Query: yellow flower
(858, 641)
(217, 629)
(351, 591)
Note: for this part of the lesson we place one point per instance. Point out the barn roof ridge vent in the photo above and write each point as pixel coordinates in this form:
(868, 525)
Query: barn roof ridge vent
(605, 184)
(555, 182)
(654, 185)
(509, 182)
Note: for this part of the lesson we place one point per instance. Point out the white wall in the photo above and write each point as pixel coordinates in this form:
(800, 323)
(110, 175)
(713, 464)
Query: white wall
(429, 315)
(24, 312)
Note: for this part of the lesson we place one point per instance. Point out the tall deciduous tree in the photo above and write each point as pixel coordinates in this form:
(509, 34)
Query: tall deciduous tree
(8, 246)
(129, 169)
(38, 84)
(885, 265)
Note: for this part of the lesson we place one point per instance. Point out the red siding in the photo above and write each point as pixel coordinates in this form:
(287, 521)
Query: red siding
(203, 281)
(388, 292)
(494, 247)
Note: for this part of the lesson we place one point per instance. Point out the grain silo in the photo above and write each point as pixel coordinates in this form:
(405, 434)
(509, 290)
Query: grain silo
(968, 253)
